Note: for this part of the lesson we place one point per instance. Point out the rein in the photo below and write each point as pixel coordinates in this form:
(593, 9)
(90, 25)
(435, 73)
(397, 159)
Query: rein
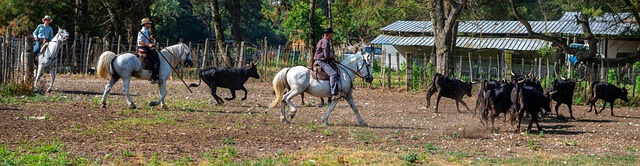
(357, 72)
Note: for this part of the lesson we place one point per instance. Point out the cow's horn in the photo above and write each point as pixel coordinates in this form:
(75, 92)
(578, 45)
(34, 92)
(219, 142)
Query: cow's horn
(521, 81)
(512, 73)
(553, 92)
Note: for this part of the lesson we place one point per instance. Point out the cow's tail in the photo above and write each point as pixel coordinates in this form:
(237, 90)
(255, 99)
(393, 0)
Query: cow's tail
(432, 88)
(200, 80)
(592, 89)
(279, 85)
(104, 64)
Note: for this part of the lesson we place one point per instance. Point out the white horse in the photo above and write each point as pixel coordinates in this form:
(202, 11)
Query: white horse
(46, 58)
(127, 65)
(298, 79)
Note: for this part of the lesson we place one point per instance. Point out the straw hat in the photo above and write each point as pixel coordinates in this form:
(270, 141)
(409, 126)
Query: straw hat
(47, 18)
(145, 21)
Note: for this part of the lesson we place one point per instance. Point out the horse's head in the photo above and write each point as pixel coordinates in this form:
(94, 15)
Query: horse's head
(253, 71)
(186, 56)
(363, 67)
(63, 34)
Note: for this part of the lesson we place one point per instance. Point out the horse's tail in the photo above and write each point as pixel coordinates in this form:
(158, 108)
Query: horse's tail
(200, 75)
(279, 85)
(104, 64)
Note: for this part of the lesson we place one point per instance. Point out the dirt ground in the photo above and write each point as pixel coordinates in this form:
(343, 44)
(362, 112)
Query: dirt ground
(193, 123)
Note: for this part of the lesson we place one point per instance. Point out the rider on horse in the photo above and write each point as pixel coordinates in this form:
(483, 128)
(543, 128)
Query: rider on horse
(145, 42)
(325, 58)
(42, 34)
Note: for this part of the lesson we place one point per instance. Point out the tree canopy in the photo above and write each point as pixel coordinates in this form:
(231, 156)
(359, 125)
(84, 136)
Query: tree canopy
(277, 20)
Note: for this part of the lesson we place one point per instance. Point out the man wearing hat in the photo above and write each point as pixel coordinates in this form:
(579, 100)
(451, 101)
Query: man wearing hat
(325, 58)
(42, 34)
(145, 42)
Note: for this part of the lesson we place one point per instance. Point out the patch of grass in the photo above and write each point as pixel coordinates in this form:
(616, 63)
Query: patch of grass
(228, 141)
(532, 144)
(411, 157)
(14, 89)
(457, 156)
(431, 148)
(222, 156)
(365, 137)
(157, 120)
(327, 132)
(313, 126)
(33, 99)
(51, 153)
(569, 143)
(127, 153)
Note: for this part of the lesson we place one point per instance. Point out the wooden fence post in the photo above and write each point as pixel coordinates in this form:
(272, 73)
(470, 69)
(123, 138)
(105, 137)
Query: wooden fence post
(86, 62)
(242, 58)
(408, 70)
(29, 58)
(389, 72)
(398, 67)
(204, 54)
(470, 68)
(489, 70)
(118, 48)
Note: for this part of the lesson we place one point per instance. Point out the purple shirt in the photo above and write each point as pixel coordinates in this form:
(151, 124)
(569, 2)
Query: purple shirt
(323, 50)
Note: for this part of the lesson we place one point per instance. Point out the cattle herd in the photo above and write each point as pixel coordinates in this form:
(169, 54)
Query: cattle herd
(521, 95)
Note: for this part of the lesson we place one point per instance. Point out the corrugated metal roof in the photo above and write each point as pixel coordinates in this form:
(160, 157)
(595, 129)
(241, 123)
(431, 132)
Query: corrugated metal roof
(606, 17)
(409, 26)
(608, 24)
(510, 27)
(604, 28)
(466, 42)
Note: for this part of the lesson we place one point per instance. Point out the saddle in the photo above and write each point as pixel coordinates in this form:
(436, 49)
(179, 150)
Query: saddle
(318, 73)
(147, 64)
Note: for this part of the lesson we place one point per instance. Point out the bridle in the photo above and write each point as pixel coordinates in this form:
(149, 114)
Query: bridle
(181, 50)
(357, 72)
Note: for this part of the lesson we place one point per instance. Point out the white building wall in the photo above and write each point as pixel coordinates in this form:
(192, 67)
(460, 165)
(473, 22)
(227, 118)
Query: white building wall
(389, 49)
(616, 48)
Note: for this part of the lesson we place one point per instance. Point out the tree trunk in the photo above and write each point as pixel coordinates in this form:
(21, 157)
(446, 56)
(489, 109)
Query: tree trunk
(329, 13)
(217, 24)
(236, 15)
(312, 35)
(444, 29)
(112, 18)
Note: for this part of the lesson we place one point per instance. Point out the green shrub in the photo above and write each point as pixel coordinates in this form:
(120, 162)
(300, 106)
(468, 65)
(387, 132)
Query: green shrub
(14, 89)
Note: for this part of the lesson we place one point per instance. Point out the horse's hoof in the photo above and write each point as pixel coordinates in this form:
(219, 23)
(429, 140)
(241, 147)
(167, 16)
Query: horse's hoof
(228, 99)
(48, 90)
(284, 120)
(292, 115)
(104, 105)
(132, 106)
(326, 123)
(243, 99)
(153, 104)
(364, 124)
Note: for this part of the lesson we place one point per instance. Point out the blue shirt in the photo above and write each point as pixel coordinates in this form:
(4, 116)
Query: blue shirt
(143, 36)
(43, 32)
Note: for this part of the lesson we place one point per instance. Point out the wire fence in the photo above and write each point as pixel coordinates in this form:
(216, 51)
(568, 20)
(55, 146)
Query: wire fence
(79, 55)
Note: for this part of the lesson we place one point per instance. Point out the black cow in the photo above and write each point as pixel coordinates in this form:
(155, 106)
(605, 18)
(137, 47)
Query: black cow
(497, 101)
(231, 78)
(527, 99)
(562, 92)
(607, 92)
(483, 87)
(449, 88)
